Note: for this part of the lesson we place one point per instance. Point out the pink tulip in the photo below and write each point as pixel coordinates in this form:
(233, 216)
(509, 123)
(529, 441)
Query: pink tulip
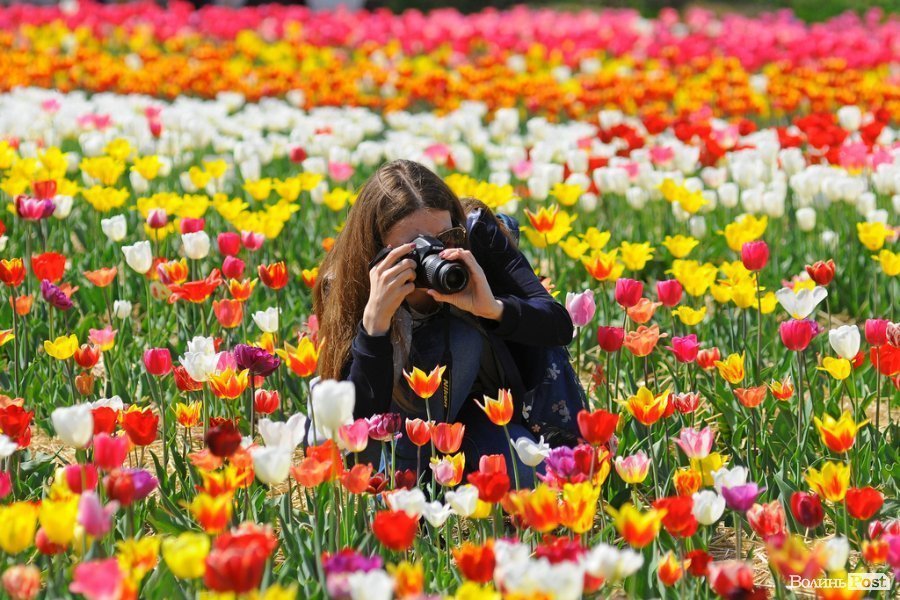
(189, 225)
(157, 218)
(33, 209)
(98, 579)
(340, 171)
(685, 348)
(669, 292)
(93, 516)
(109, 451)
(355, 436)
(634, 468)
(581, 307)
(5, 484)
(876, 331)
(696, 444)
(229, 243)
(251, 240)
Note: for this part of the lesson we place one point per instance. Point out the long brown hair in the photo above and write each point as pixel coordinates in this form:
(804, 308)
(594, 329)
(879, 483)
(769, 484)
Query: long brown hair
(396, 190)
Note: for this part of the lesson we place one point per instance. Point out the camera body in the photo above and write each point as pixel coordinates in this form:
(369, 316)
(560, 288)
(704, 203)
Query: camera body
(432, 271)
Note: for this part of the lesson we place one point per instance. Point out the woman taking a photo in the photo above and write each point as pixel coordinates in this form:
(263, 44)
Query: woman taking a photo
(379, 312)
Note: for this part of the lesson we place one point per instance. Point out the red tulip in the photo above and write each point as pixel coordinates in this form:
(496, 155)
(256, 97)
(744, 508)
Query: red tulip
(876, 331)
(491, 486)
(273, 276)
(233, 267)
(395, 530)
(12, 272)
(229, 243)
(45, 546)
(140, 425)
(418, 431)
(863, 503)
(15, 423)
(105, 419)
(81, 478)
(158, 361)
(184, 381)
(699, 562)
(796, 334)
(669, 292)
(822, 272)
(807, 509)
(109, 452)
(44, 190)
(229, 313)
(755, 255)
(265, 402)
(628, 292)
(223, 439)
(886, 359)
(49, 266)
(237, 561)
(610, 338)
(120, 487)
(476, 563)
(189, 225)
(679, 519)
(86, 356)
(767, 520)
(706, 359)
(597, 427)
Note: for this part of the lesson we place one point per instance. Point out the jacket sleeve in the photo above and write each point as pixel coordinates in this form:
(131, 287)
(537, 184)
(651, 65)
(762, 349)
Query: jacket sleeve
(371, 369)
(530, 314)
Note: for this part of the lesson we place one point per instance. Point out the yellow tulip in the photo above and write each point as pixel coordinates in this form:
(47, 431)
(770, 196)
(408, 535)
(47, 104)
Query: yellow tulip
(573, 247)
(713, 462)
(744, 229)
(138, 557)
(732, 368)
(567, 193)
(839, 368)
(18, 525)
(872, 235)
(831, 482)
(689, 316)
(57, 519)
(595, 238)
(680, 246)
(635, 256)
(63, 347)
(890, 262)
(579, 506)
(186, 554)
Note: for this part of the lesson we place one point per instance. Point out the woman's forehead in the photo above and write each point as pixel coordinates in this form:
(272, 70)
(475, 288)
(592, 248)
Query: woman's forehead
(422, 222)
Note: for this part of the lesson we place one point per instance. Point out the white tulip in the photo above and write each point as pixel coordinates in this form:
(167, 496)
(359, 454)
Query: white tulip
(538, 187)
(139, 256)
(436, 513)
(849, 117)
(63, 207)
(267, 320)
(412, 502)
(114, 402)
(729, 194)
(371, 585)
(837, 551)
(202, 345)
(845, 341)
(280, 434)
(332, 404)
(637, 198)
(115, 228)
(122, 309)
(271, 464)
(726, 477)
(4, 239)
(708, 506)
(74, 425)
(829, 239)
(801, 304)
(463, 500)
(806, 218)
(530, 452)
(697, 225)
(7, 446)
(196, 245)
(199, 364)
(895, 202)
(612, 564)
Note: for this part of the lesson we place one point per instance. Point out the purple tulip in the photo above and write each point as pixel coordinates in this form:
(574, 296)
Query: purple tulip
(340, 566)
(561, 463)
(742, 497)
(54, 296)
(257, 360)
(383, 428)
(34, 209)
(93, 516)
(143, 482)
(581, 307)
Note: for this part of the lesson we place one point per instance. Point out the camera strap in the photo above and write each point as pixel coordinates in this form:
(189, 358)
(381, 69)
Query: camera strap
(447, 361)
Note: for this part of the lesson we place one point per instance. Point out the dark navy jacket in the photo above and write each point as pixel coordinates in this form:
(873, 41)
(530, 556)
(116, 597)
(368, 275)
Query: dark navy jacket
(531, 317)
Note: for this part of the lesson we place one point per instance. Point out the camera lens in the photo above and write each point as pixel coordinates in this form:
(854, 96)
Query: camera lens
(447, 277)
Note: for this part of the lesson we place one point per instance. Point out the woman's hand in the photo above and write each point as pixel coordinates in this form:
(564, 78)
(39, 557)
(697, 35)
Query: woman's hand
(390, 282)
(477, 297)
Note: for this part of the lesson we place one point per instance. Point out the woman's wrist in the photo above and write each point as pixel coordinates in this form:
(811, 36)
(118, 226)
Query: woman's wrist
(374, 326)
(495, 311)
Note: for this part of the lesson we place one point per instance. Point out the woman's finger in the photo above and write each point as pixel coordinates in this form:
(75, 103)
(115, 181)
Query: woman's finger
(406, 265)
(394, 256)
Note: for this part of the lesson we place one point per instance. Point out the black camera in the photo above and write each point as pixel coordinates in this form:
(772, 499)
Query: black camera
(432, 271)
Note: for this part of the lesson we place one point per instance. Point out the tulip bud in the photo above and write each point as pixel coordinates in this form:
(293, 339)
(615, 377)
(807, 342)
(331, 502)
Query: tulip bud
(196, 245)
(87, 355)
(158, 361)
(84, 383)
(229, 243)
(806, 218)
(266, 402)
(157, 218)
(669, 292)
(628, 292)
(189, 225)
(876, 331)
(233, 267)
(122, 309)
(74, 425)
(755, 255)
(120, 487)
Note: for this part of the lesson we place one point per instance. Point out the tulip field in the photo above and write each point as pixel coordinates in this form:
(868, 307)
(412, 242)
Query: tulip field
(715, 199)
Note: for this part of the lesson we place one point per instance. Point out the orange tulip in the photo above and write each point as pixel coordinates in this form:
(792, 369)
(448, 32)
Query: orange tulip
(647, 408)
(637, 528)
(643, 311)
(838, 435)
(213, 513)
(241, 290)
(424, 385)
(22, 304)
(309, 276)
(6, 335)
(448, 470)
(670, 569)
(448, 438)
(783, 389)
(600, 266)
(228, 312)
(12, 272)
(229, 384)
(642, 341)
(303, 359)
(356, 480)
(579, 506)
(541, 510)
(499, 411)
(273, 276)
(751, 397)
(687, 481)
(102, 277)
(173, 271)
(418, 431)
